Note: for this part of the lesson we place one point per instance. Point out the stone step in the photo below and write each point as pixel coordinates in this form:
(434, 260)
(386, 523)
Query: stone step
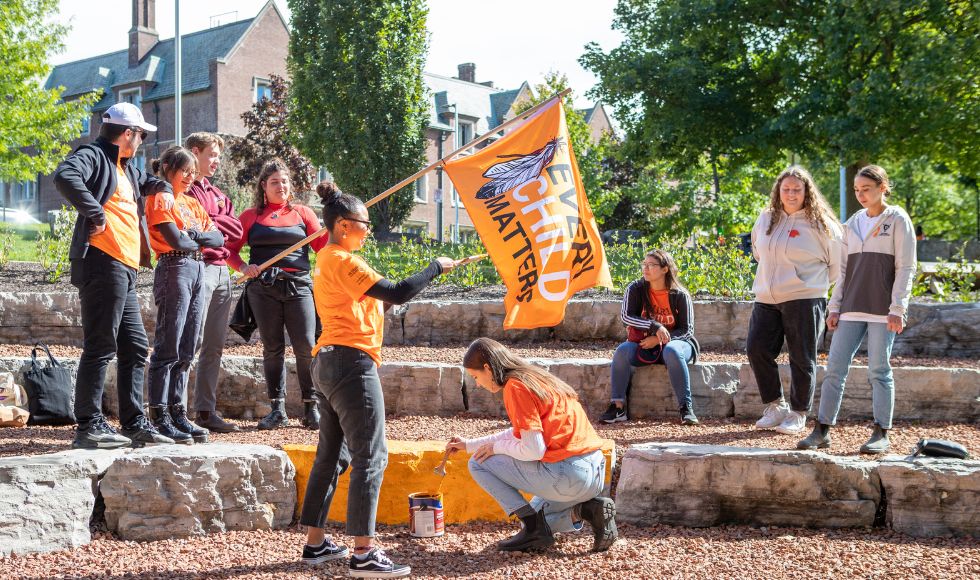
(410, 470)
(718, 389)
(933, 329)
(679, 484)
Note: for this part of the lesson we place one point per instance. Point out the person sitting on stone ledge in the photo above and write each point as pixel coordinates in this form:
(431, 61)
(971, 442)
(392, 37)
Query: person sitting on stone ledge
(871, 298)
(351, 298)
(660, 316)
(551, 451)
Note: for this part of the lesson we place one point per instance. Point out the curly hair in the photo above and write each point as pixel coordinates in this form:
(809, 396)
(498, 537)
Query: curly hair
(815, 207)
(274, 165)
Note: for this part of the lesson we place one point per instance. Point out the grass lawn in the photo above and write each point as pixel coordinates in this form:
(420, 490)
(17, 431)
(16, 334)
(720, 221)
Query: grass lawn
(25, 250)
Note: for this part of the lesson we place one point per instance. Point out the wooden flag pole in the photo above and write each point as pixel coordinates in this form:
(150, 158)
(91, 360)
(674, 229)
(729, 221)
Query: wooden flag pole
(415, 176)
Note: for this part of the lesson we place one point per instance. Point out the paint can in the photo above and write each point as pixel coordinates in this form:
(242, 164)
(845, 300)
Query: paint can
(425, 519)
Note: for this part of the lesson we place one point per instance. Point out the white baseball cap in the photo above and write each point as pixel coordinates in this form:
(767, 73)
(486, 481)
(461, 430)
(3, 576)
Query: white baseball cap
(127, 114)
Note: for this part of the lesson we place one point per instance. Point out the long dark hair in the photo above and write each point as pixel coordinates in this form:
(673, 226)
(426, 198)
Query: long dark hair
(505, 366)
(274, 165)
(671, 277)
(174, 159)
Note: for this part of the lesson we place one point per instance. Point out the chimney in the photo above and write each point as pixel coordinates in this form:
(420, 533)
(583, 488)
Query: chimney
(143, 35)
(467, 72)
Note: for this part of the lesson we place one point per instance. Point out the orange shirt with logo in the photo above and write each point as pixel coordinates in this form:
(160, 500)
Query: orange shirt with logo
(121, 237)
(562, 421)
(661, 309)
(187, 214)
(349, 318)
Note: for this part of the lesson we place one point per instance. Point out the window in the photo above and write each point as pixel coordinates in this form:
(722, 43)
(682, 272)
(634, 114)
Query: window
(323, 175)
(22, 191)
(422, 189)
(467, 234)
(263, 89)
(416, 228)
(131, 96)
(465, 133)
(87, 122)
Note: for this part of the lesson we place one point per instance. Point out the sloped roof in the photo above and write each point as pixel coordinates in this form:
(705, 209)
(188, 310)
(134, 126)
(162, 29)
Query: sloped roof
(473, 99)
(198, 49)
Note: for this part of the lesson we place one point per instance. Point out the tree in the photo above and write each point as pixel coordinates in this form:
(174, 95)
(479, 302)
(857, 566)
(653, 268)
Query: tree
(35, 124)
(269, 136)
(752, 78)
(360, 105)
(934, 198)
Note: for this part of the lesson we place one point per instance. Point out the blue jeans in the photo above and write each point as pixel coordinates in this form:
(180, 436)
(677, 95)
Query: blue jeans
(557, 487)
(845, 343)
(178, 291)
(676, 355)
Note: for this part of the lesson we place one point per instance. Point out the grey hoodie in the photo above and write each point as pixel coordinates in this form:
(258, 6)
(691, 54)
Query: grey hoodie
(876, 273)
(797, 261)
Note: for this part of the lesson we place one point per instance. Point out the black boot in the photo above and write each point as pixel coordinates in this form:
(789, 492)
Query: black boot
(179, 418)
(600, 512)
(277, 418)
(819, 439)
(687, 415)
(311, 415)
(535, 534)
(878, 443)
(165, 426)
(211, 421)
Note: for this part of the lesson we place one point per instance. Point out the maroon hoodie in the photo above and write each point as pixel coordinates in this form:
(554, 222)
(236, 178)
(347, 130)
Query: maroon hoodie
(222, 213)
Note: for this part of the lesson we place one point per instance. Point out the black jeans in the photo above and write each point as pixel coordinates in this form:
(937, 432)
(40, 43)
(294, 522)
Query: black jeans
(178, 290)
(800, 323)
(352, 433)
(111, 327)
(287, 305)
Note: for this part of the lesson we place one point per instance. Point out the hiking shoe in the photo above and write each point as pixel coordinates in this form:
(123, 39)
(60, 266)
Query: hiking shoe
(99, 435)
(165, 426)
(143, 433)
(878, 443)
(614, 413)
(277, 418)
(178, 416)
(819, 439)
(600, 512)
(376, 565)
(775, 413)
(687, 415)
(311, 415)
(324, 552)
(794, 424)
(212, 421)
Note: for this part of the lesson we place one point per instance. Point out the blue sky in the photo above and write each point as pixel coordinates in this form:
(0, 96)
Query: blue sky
(509, 40)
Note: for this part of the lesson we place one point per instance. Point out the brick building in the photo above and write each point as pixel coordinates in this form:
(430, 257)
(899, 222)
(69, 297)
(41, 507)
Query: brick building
(225, 70)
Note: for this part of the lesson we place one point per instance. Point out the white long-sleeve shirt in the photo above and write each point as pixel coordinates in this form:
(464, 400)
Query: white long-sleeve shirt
(530, 447)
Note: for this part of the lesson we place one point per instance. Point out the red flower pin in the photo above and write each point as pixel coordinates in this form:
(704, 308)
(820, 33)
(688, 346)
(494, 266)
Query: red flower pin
(793, 233)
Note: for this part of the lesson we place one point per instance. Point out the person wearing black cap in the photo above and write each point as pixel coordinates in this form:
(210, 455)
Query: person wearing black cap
(109, 245)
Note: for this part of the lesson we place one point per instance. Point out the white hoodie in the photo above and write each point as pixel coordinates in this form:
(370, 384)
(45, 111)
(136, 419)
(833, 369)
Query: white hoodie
(796, 261)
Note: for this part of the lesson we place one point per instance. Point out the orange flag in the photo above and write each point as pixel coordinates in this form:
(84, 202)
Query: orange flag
(526, 199)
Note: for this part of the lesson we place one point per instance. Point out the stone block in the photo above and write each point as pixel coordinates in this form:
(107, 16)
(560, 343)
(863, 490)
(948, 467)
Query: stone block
(712, 388)
(422, 388)
(932, 250)
(708, 485)
(394, 333)
(442, 322)
(941, 330)
(177, 491)
(720, 324)
(930, 496)
(589, 377)
(480, 400)
(411, 466)
(46, 500)
(587, 320)
(748, 403)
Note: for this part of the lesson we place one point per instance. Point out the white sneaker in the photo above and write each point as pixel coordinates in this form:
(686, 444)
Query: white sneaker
(776, 412)
(794, 424)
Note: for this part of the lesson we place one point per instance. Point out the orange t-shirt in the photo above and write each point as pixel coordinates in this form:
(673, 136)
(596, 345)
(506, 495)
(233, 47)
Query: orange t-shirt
(661, 309)
(349, 318)
(121, 237)
(562, 421)
(187, 213)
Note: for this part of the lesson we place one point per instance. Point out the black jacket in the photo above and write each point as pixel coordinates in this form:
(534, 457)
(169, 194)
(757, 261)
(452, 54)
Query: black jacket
(680, 305)
(87, 179)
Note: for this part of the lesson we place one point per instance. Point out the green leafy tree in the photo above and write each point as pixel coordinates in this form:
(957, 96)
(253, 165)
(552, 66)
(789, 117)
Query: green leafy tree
(935, 199)
(269, 136)
(752, 78)
(35, 124)
(360, 105)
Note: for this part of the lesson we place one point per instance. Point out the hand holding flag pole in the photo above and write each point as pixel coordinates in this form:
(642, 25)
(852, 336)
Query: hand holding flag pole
(415, 176)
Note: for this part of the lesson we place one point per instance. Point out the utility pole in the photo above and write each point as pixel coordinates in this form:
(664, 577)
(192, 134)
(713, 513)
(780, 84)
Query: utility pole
(457, 145)
(177, 88)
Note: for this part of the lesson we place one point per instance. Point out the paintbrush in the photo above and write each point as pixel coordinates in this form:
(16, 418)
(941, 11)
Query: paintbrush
(441, 470)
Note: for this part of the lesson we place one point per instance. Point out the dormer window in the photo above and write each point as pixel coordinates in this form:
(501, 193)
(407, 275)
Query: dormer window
(131, 96)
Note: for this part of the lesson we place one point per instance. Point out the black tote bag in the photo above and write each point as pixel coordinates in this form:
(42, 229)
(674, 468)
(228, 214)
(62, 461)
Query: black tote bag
(242, 320)
(49, 391)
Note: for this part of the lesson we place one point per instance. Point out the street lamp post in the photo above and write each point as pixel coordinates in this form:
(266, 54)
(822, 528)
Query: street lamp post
(177, 88)
(456, 146)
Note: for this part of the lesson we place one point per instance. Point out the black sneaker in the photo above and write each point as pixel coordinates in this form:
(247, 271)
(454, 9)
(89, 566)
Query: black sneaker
(99, 435)
(613, 414)
(324, 552)
(376, 565)
(687, 415)
(143, 433)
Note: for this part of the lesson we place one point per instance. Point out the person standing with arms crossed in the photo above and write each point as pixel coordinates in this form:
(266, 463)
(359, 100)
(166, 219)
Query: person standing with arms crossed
(108, 246)
(218, 298)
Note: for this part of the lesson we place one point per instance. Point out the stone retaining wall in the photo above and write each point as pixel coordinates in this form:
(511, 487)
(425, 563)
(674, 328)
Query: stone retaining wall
(933, 329)
(718, 389)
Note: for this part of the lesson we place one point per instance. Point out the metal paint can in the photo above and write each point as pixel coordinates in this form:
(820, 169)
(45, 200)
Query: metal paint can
(425, 518)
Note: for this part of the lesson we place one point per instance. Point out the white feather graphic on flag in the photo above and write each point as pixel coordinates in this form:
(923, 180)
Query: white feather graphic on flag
(507, 175)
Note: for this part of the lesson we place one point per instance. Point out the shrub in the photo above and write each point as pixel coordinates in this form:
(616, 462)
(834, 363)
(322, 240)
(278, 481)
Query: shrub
(954, 281)
(52, 252)
(6, 244)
